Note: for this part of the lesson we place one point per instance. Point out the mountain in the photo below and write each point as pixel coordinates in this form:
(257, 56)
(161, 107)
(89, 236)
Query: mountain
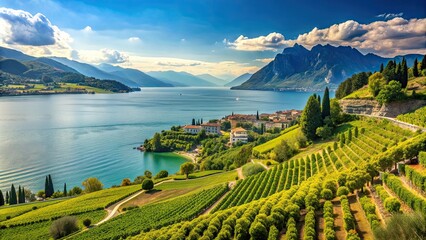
(299, 68)
(139, 77)
(239, 80)
(212, 79)
(91, 71)
(10, 53)
(180, 79)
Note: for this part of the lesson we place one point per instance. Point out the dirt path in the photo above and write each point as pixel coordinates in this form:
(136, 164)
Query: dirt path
(362, 226)
(240, 173)
(263, 165)
(338, 219)
(319, 225)
(113, 209)
(380, 209)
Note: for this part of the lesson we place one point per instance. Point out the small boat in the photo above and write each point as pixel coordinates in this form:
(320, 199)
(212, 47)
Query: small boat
(237, 99)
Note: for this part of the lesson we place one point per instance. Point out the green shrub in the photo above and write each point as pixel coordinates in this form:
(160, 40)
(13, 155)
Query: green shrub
(273, 233)
(403, 226)
(147, 184)
(327, 194)
(252, 169)
(87, 222)
(392, 205)
(341, 191)
(162, 174)
(63, 227)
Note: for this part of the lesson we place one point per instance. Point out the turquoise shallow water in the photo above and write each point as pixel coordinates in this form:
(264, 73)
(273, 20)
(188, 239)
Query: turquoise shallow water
(73, 137)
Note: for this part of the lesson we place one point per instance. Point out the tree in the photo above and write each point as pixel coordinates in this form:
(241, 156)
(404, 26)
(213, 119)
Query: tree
(46, 188)
(162, 174)
(126, 182)
(389, 73)
(92, 185)
(63, 227)
(257, 115)
(87, 222)
(356, 132)
(13, 198)
(139, 179)
(187, 168)
(415, 68)
(75, 191)
(7, 197)
(311, 118)
(19, 195)
(148, 174)
(283, 151)
(324, 132)
(147, 184)
(193, 121)
(1, 198)
(335, 112)
(423, 63)
(375, 83)
(156, 143)
(350, 135)
(325, 109)
(342, 140)
(381, 68)
(390, 92)
(65, 189)
(404, 73)
(51, 189)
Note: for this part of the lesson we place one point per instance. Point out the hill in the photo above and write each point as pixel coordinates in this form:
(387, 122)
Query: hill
(212, 79)
(180, 79)
(239, 80)
(139, 77)
(91, 71)
(297, 67)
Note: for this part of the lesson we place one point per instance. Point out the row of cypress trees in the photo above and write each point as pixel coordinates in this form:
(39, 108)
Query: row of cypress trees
(13, 197)
(48, 187)
(315, 113)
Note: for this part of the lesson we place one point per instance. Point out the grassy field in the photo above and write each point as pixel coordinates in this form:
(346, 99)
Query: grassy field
(289, 136)
(204, 182)
(16, 210)
(63, 88)
(197, 174)
(85, 203)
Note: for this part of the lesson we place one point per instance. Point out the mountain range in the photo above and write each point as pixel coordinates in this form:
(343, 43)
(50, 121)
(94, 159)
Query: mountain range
(181, 79)
(239, 80)
(324, 65)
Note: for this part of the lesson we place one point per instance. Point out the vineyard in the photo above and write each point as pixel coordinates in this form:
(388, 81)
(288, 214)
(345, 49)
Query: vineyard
(417, 117)
(156, 215)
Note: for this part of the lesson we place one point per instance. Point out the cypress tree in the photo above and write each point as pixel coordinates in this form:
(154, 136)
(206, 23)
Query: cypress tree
(19, 194)
(311, 117)
(201, 121)
(381, 68)
(46, 188)
(22, 197)
(319, 100)
(325, 109)
(1, 198)
(51, 185)
(398, 73)
(257, 115)
(415, 68)
(342, 140)
(7, 197)
(349, 136)
(404, 73)
(193, 121)
(65, 189)
(356, 132)
(390, 71)
(423, 65)
(13, 199)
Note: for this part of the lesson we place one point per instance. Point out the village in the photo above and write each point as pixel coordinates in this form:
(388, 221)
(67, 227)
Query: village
(240, 124)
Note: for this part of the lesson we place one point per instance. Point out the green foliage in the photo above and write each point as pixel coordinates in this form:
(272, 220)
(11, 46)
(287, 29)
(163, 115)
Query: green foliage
(162, 174)
(352, 84)
(13, 199)
(325, 108)
(392, 205)
(390, 92)
(324, 132)
(403, 226)
(375, 83)
(63, 227)
(273, 233)
(187, 168)
(309, 230)
(147, 184)
(422, 158)
(327, 194)
(87, 222)
(156, 215)
(342, 191)
(291, 233)
(283, 151)
(417, 117)
(329, 221)
(418, 178)
(414, 201)
(92, 185)
(252, 169)
(348, 218)
(370, 211)
(311, 118)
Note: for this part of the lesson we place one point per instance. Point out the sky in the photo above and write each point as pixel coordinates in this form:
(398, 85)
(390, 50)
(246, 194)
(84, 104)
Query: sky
(221, 38)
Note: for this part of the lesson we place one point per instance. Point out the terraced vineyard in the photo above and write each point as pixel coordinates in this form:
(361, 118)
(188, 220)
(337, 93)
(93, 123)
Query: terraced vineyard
(417, 117)
(156, 215)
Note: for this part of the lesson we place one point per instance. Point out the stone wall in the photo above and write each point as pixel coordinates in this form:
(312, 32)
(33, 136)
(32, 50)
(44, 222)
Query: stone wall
(372, 107)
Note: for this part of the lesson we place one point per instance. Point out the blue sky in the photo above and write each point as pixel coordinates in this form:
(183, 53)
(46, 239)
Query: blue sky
(204, 36)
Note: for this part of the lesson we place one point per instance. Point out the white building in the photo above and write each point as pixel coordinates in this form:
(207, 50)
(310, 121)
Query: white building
(192, 129)
(211, 128)
(238, 134)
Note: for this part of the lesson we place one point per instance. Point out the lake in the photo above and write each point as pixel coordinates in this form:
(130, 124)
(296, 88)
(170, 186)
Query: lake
(73, 137)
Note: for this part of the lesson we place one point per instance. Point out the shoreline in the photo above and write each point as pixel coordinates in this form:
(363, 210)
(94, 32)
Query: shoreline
(187, 155)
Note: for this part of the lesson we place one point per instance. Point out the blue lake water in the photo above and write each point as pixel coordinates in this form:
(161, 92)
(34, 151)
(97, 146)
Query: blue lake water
(73, 137)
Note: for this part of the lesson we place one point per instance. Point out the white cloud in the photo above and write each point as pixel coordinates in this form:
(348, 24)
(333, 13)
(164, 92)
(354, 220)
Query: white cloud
(387, 38)
(272, 41)
(33, 34)
(178, 64)
(264, 60)
(113, 56)
(134, 39)
(87, 29)
(390, 15)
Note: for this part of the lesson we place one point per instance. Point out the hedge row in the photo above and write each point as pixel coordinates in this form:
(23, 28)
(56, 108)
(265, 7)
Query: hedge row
(291, 233)
(309, 230)
(370, 212)
(416, 177)
(329, 221)
(348, 218)
(391, 204)
(417, 203)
